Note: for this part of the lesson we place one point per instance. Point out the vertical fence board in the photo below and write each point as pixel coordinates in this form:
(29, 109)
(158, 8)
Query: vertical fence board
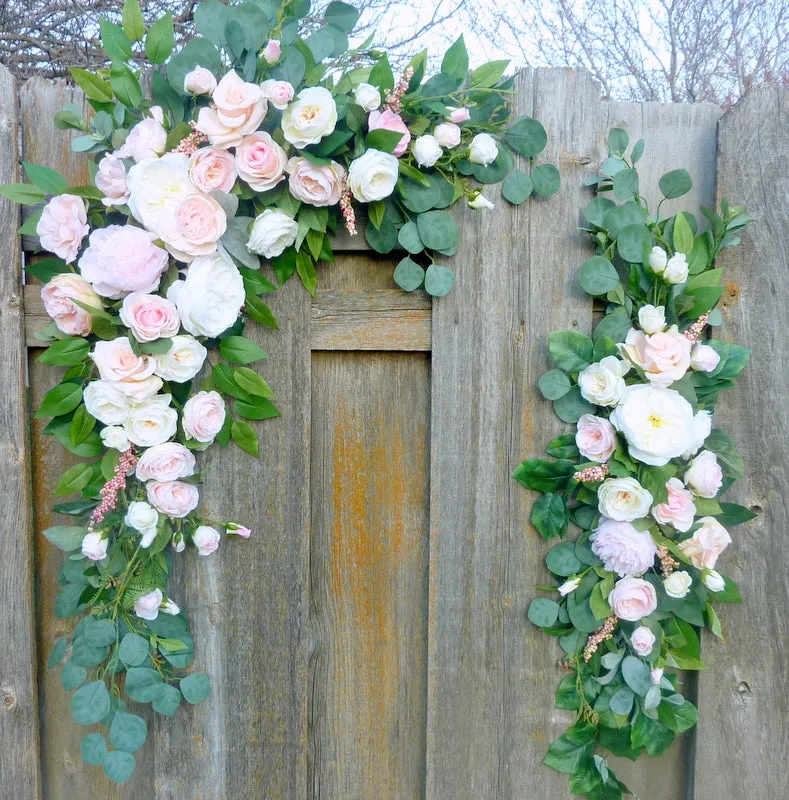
(743, 736)
(19, 730)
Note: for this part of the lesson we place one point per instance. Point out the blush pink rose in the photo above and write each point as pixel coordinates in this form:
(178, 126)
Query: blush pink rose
(317, 186)
(260, 161)
(459, 115)
(212, 170)
(111, 179)
(389, 121)
(165, 462)
(632, 598)
(705, 476)
(272, 51)
(642, 640)
(118, 363)
(238, 109)
(58, 295)
(706, 544)
(63, 226)
(204, 416)
(278, 93)
(199, 81)
(595, 438)
(447, 134)
(149, 316)
(194, 229)
(173, 498)
(704, 358)
(147, 139)
(679, 510)
(122, 259)
(206, 539)
(664, 356)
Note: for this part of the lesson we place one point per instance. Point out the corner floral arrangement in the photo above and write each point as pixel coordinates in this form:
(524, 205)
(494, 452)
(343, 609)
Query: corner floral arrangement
(641, 478)
(246, 149)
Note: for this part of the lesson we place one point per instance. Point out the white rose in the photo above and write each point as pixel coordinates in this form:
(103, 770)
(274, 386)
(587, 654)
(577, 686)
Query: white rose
(702, 426)
(480, 202)
(94, 546)
(483, 149)
(157, 187)
(206, 540)
(427, 150)
(182, 361)
(199, 81)
(115, 437)
(209, 300)
(373, 176)
(704, 358)
(676, 269)
(106, 403)
(713, 580)
(603, 383)
(447, 134)
(678, 584)
(623, 499)
(170, 607)
(367, 96)
(569, 586)
(658, 259)
(147, 606)
(310, 117)
(272, 233)
(657, 423)
(152, 422)
(652, 319)
(140, 516)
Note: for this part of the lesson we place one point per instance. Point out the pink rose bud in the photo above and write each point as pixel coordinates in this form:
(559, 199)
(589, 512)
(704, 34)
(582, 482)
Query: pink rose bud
(111, 179)
(94, 546)
(389, 121)
(704, 358)
(238, 530)
(206, 540)
(272, 51)
(200, 81)
(642, 640)
(147, 606)
(459, 115)
(657, 675)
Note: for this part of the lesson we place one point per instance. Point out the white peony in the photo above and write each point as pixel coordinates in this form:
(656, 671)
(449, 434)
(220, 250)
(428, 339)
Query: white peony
(678, 584)
(657, 423)
(209, 300)
(115, 438)
(152, 422)
(310, 117)
(603, 383)
(427, 150)
(182, 361)
(652, 319)
(623, 499)
(272, 233)
(106, 403)
(483, 149)
(367, 96)
(157, 187)
(373, 176)
(676, 270)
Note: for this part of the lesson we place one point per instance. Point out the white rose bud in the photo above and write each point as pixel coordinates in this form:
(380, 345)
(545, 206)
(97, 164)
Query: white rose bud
(147, 606)
(677, 269)
(678, 584)
(179, 545)
(704, 358)
(658, 260)
(480, 202)
(656, 675)
(427, 150)
(367, 96)
(447, 134)
(713, 580)
(170, 607)
(115, 437)
(652, 319)
(147, 536)
(373, 176)
(569, 586)
(206, 540)
(199, 81)
(483, 150)
(272, 233)
(94, 546)
(141, 516)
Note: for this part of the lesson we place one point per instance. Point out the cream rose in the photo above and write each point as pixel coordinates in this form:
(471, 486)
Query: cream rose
(182, 361)
(706, 544)
(679, 509)
(62, 226)
(705, 476)
(483, 149)
(704, 358)
(652, 319)
(175, 499)
(658, 258)
(165, 462)
(94, 546)
(260, 161)
(623, 499)
(278, 93)
(204, 416)
(678, 584)
(152, 422)
(141, 516)
(447, 134)
(310, 117)
(631, 599)
(111, 179)
(603, 383)
(157, 187)
(238, 109)
(367, 96)
(313, 184)
(212, 170)
(206, 539)
(595, 438)
(642, 641)
(199, 81)
(272, 233)
(58, 296)
(373, 176)
(147, 606)
(664, 357)
(149, 316)
(115, 438)
(676, 270)
(105, 403)
(426, 150)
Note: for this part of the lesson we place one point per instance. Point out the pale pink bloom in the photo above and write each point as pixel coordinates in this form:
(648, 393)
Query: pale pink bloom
(705, 476)
(656, 675)
(111, 179)
(704, 358)
(313, 184)
(173, 498)
(94, 546)
(199, 81)
(58, 295)
(664, 356)
(212, 170)
(278, 93)
(149, 316)
(147, 606)
(389, 121)
(459, 115)
(595, 438)
(631, 599)
(117, 362)
(679, 510)
(165, 462)
(706, 544)
(623, 549)
(195, 228)
(63, 226)
(147, 139)
(204, 416)
(238, 530)
(642, 640)
(238, 110)
(272, 51)
(447, 134)
(260, 161)
(206, 540)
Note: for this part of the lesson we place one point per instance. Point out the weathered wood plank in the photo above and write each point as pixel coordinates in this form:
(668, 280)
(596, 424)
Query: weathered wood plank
(19, 729)
(743, 735)
(370, 434)
(491, 676)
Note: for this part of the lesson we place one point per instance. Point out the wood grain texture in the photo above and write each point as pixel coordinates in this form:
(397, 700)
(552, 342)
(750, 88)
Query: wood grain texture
(370, 445)
(19, 729)
(743, 737)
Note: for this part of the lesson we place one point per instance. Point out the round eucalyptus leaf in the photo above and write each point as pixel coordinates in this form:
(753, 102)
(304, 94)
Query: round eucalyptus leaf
(438, 280)
(383, 239)
(632, 240)
(72, 675)
(517, 187)
(195, 687)
(622, 701)
(618, 217)
(546, 180)
(182, 655)
(418, 197)
(572, 406)
(543, 612)
(85, 655)
(561, 560)
(636, 674)
(598, 276)
(583, 552)
(119, 766)
(409, 275)
(133, 650)
(168, 700)
(142, 684)
(581, 615)
(444, 189)
(409, 238)
(90, 703)
(438, 230)
(526, 136)
(554, 384)
(596, 210)
(496, 171)
(128, 731)
(93, 749)
(99, 632)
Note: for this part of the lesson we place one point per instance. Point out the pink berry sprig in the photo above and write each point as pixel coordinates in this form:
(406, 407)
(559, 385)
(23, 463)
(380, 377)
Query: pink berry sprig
(591, 474)
(346, 208)
(604, 632)
(112, 488)
(693, 333)
(394, 97)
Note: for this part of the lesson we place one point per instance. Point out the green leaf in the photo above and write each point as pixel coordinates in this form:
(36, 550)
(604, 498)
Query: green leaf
(622, 701)
(683, 235)
(128, 731)
(438, 230)
(517, 187)
(305, 267)
(133, 650)
(571, 749)
(98, 632)
(543, 612)
(554, 384)
(257, 310)
(384, 140)
(74, 479)
(526, 136)
(168, 700)
(625, 184)
(195, 687)
(438, 280)
(488, 74)
(251, 382)
(409, 275)
(93, 749)
(632, 241)
(598, 276)
(675, 183)
(375, 211)
(342, 16)
(119, 766)
(544, 476)
(381, 74)
(636, 675)
(82, 423)
(455, 61)
(160, 38)
(72, 675)
(68, 538)
(549, 516)
(678, 718)
(125, 85)
(23, 193)
(114, 41)
(617, 141)
(49, 181)
(245, 437)
(240, 350)
(142, 684)
(613, 326)
(133, 22)
(90, 703)
(58, 651)
(562, 561)
(729, 459)
(66, 352)
(734, 514)
(567, 696)
(572, 351)
(95, 88)
(409, 239)
(47, 268)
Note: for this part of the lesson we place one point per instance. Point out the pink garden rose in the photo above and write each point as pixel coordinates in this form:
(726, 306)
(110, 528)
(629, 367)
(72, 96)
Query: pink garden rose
(632, 598)
(204, 416)
(149, 316)
(260, 161)
(197, 225)
(595, 438)
(389, 121)
(122, 259)
(679, 510)
(199, 81)
(704, 358)
(664, 356)
(706, 544)
(278, 93)
(206, 539)
(272, 51)
(642, 640)
(317, 186)
(174, 499)
(147, 139)
(459, 115)
(111, 179)
(705, 476)
(238, 110)
(165, 462)
(58, 295)
(212, 170)
(94, 546)
(623, 549)
(63, 226)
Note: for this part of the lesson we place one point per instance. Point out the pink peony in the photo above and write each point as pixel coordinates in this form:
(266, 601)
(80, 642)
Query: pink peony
(122, 259)
(111, 179)
(238, 109)
(642, 641)
(212, 170)
(174, 499)
(679, 510)
(664, 356)
(199, 81)
(705, 476)
(595, 438)
(165, 462)
(58, 295)
(272, 51)
(260, 161)
(706, 544)
(459, 115)
(317, 186)
(389, 121)
(204, 416)
(63, 226)
(278, 93)
(623, 549)
(632, 598)
(197, 225)
(149, 316)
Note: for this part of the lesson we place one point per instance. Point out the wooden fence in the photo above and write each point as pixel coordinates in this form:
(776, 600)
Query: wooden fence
(370, 641)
